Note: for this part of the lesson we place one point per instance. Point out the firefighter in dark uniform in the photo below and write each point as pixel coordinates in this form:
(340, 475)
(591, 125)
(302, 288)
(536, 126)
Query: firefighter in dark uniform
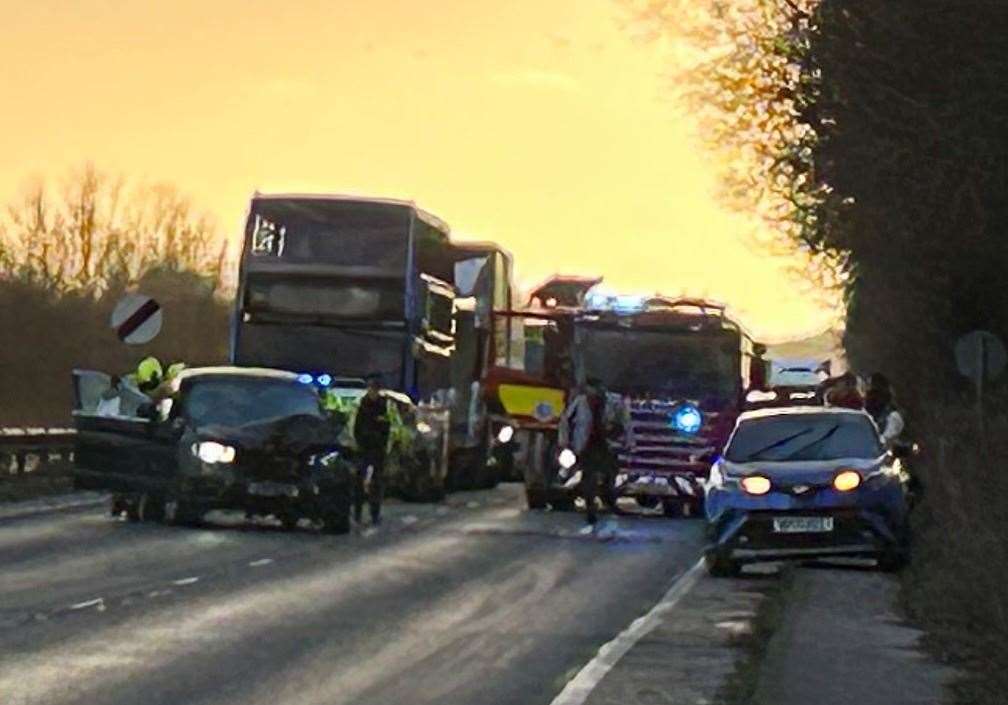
(371, 432)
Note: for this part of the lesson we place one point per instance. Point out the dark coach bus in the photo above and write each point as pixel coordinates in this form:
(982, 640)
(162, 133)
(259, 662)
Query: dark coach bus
(339, 286)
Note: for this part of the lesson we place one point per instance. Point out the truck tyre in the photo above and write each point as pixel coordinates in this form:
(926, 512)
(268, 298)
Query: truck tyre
(535, 498)
(721, 566)
(672, 508)
(179, 512)
(150, 507)
(563, 505)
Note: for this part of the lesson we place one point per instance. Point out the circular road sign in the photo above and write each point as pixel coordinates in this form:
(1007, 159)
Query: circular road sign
(980, 355)
(137, 319)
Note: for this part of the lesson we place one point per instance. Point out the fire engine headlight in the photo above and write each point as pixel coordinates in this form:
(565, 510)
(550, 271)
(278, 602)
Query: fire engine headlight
(506, 434)
(687, 419)
(213, 452)
(567, 459)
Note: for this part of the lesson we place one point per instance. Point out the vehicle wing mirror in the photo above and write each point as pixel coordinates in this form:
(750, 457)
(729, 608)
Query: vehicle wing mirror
(902, 450)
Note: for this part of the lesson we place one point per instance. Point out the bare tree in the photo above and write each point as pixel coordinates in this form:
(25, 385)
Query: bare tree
(97, 231)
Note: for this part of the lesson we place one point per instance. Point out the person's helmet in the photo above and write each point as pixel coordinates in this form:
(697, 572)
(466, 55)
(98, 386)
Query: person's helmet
(149, 372)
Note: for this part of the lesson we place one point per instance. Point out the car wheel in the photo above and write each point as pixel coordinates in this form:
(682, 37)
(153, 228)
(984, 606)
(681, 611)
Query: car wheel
(289, 521)
(721, 566)
(536, 499)
(336, 520)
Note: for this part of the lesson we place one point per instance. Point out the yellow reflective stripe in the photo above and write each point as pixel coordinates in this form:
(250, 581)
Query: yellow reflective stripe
(524, 400)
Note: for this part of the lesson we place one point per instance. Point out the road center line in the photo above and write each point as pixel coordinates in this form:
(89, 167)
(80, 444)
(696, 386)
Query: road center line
(185, 581)
(261, 562)
(578, 689)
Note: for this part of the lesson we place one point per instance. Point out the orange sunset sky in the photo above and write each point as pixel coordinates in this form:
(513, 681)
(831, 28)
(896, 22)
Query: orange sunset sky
(542, 124)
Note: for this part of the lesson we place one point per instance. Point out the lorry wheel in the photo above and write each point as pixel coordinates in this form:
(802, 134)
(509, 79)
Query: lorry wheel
(536, 499)
(150, 507)
(673, 508)
(721, 566)
(563, 505)
(178, 512)
(646, 501)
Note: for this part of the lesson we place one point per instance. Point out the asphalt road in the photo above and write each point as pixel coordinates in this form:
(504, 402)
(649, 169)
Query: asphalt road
(473, 602)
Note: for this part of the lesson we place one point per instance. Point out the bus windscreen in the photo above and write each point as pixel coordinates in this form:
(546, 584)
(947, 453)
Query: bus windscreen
(333, 232)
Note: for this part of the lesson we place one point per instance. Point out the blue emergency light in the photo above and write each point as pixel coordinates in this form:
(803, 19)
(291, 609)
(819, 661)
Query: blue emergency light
(687, 419)
(305, 378)
(324, 380)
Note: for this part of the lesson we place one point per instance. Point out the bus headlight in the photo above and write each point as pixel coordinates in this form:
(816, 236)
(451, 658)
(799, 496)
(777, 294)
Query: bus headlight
(505, 434)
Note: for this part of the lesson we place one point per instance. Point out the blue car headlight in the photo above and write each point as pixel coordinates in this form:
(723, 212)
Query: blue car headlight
(687, 419)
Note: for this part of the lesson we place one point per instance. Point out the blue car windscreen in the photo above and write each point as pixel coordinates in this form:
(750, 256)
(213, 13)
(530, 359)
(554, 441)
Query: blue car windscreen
(803, 437)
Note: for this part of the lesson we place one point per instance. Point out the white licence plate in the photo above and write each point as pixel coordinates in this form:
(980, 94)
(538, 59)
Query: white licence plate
(802, 525)
(272, 489)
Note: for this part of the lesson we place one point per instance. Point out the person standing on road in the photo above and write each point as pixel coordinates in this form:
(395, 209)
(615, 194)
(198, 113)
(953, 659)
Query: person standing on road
(371, 432)
(881, 405)
(584, 431)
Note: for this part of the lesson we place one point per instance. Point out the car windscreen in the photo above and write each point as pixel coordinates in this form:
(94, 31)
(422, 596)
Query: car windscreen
(808, 437)
(670, 364)
(235, 401)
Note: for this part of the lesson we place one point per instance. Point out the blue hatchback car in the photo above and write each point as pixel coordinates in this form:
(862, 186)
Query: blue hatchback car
(805, 483)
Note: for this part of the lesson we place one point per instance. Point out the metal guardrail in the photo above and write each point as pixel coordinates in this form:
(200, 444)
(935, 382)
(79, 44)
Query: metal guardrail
(20, 443)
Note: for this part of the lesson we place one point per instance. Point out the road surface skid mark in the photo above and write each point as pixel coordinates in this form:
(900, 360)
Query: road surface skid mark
(599, 535)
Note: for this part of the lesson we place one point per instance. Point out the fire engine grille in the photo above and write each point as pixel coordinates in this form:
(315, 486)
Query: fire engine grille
(656, 447)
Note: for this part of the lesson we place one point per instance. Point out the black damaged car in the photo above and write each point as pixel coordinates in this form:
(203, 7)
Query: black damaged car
(225, 438)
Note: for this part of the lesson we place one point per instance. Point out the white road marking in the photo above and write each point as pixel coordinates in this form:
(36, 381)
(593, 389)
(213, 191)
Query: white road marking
(472, 505)
(185, 581)
(261, 562)
(441, 511)
(371, 531)
(579, 688)
(158, 593)
(97, 602)
(409, 519)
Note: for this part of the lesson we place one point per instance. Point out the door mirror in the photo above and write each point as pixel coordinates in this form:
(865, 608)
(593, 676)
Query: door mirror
(903, 450)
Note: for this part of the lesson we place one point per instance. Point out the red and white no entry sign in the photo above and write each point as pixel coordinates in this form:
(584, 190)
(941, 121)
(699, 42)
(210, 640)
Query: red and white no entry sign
(137, 319)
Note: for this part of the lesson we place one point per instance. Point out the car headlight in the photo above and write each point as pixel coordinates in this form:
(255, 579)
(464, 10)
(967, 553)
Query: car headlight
(424, 427)
(847, 480)
(567, 459)
(213, 452)
(755, 484)
(506, 434)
